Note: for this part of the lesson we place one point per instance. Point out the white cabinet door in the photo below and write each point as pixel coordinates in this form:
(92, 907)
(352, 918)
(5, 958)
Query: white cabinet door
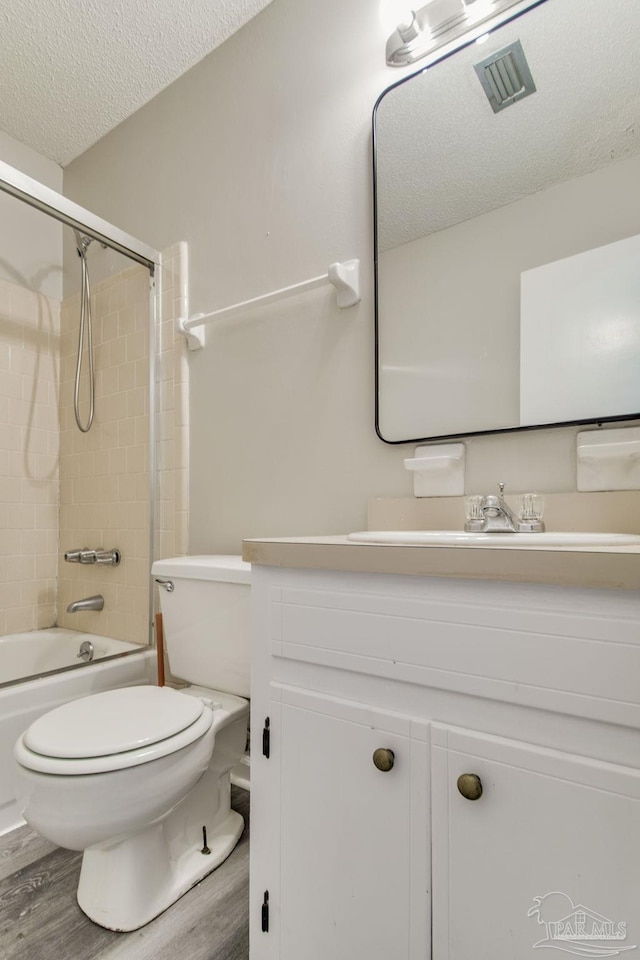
(350, 854)
(547, 857)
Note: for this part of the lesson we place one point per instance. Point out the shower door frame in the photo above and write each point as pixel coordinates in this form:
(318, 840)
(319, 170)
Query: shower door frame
(71, 214)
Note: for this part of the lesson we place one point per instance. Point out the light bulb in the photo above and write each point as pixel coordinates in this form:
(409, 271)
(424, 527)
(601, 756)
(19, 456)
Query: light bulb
(394, 13)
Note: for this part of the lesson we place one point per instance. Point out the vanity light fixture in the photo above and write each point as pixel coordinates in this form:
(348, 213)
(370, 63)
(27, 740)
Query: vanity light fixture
(418, 32)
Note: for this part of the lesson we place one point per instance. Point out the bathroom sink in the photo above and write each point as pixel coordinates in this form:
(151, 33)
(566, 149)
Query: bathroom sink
(451, 538)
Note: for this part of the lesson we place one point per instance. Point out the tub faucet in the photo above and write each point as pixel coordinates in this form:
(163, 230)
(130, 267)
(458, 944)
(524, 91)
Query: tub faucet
(89, 603)
(493, 515)
(93, 556)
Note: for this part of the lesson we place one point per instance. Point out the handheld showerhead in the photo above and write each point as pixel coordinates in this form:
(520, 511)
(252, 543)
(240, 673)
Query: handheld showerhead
(82, 242)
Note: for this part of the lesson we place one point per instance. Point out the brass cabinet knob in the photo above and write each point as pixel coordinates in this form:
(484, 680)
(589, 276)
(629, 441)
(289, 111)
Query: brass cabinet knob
(470, 786)
(383, 759)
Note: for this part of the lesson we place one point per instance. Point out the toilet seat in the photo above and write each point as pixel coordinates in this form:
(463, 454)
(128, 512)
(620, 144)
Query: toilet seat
(113, 730)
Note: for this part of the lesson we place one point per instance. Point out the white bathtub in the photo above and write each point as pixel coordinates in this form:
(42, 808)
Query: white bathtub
(40, 670)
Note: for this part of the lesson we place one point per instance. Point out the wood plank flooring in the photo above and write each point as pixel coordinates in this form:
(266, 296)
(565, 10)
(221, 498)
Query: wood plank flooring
(40, 919)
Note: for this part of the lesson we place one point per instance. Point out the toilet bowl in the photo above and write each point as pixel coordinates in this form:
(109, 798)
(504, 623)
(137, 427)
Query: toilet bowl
(139, 778)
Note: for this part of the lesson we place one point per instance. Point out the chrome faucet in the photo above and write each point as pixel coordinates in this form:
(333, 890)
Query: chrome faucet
(88, 603)
(498, 517)
(492, 514)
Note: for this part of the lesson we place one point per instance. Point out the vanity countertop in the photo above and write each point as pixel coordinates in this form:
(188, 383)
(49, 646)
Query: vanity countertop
(606, 567)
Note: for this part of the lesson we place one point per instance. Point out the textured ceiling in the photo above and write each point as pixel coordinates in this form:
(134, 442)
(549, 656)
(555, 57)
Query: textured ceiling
(443, 156)
(71, 70)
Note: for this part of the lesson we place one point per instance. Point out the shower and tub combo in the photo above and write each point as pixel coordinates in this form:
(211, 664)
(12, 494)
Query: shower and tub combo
(52, 662)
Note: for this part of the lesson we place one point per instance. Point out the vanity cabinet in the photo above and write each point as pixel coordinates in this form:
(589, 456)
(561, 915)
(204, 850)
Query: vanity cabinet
(371, 696)
(332, 799)
(551, 833)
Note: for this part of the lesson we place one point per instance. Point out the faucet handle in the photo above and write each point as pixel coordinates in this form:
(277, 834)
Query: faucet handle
(531, 507)
(501, 489)
(473, 508)
(111, 557)
(473, 513)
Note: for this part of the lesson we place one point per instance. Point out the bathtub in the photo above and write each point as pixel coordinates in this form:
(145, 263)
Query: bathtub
(40, 670)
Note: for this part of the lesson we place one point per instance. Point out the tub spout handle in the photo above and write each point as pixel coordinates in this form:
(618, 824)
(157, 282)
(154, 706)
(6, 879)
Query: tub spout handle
(108, 556)
(72, 556)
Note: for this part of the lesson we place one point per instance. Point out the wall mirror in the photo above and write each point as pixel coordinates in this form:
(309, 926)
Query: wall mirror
(508, 241)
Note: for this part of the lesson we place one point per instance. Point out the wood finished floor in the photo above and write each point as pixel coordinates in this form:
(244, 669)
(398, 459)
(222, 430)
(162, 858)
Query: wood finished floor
(40, 919)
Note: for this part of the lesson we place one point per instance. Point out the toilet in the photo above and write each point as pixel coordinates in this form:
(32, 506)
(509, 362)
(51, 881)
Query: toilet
(139, 778)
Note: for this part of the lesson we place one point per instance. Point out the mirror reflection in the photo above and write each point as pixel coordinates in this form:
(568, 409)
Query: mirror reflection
(507, 229)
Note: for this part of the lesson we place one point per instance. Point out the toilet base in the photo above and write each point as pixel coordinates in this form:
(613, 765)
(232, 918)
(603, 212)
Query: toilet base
(124, 886)
(126, 882)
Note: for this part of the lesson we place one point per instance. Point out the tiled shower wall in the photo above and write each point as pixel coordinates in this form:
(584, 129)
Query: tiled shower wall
(61, 489)
(29, 439)
(104, 475)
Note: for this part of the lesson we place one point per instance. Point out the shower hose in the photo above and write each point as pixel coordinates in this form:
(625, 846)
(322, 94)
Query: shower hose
(85, 327)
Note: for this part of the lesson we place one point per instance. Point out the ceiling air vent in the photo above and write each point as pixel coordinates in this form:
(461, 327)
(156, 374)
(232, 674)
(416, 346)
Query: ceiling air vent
(505, 76)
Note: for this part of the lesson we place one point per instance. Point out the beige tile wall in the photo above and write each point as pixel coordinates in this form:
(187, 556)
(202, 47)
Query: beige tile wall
(104, 474)
(29, 440)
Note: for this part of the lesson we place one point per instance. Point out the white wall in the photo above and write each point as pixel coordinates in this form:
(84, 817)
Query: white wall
(260, 158)
(30, 241)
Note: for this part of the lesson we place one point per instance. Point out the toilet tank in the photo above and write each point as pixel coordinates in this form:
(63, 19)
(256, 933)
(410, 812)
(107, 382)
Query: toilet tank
(206, 620)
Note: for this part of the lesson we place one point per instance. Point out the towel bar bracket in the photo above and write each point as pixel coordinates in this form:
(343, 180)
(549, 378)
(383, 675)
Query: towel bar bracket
(193, 335)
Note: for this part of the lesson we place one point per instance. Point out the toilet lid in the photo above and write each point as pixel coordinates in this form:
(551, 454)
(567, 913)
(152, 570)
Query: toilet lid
(113, 722)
